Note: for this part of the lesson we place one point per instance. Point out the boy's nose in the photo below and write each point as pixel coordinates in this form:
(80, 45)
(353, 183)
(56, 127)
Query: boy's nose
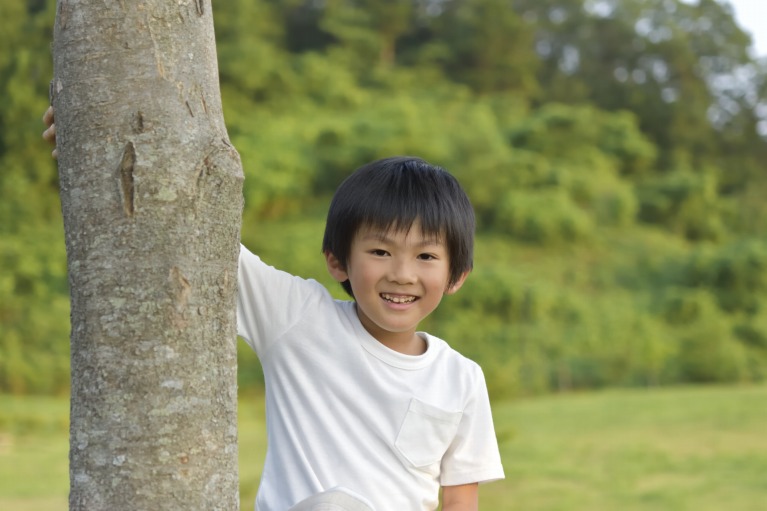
(402, 272)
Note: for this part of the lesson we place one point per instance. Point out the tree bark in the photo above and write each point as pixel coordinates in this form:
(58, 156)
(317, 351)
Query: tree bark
(151, 195)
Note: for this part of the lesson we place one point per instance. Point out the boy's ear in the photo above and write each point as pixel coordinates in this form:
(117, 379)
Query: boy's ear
(458, 283)
(335, 268)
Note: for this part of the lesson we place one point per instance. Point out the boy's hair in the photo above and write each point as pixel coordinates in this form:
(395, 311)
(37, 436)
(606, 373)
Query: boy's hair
(393, 193)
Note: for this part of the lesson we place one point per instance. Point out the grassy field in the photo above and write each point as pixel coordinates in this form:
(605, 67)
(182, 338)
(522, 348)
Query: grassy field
(694, 448)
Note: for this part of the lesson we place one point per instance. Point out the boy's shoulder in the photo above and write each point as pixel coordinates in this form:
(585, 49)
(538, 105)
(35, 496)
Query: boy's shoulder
(452, 359)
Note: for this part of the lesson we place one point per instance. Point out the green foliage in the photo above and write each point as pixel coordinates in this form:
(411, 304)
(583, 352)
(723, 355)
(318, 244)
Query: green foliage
(472, 42)
(34, 308)
(656, 58)
(708, 354)
(736, 273)
(570, 167)
(575, 134)
(685, 203)
(543, 217)
(34, 305)
(616, 173)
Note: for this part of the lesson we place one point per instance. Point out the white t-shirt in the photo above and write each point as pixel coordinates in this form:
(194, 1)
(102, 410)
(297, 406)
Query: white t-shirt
(344, 410)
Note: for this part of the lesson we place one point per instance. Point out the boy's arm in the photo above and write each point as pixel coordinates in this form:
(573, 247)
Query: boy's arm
(464, 497)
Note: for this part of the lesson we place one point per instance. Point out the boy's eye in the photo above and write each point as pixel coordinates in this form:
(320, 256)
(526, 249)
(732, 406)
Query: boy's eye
(426, 257)
(378, 252)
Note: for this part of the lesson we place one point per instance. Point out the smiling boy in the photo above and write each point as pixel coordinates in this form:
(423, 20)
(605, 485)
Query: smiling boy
(398, 278)
(356, 396)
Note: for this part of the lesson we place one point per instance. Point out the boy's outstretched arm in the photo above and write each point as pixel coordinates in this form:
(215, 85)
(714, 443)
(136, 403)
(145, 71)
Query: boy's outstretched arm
(464, 497)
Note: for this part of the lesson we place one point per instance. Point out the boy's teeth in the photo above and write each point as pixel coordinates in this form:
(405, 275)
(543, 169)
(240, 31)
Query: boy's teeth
(398, 299)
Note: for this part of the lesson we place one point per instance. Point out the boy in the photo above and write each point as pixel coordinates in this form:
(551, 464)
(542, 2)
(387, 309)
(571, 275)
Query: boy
(357, 400)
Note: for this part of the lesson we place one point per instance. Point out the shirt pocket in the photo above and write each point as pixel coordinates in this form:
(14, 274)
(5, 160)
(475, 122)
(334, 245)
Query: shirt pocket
(426, 433)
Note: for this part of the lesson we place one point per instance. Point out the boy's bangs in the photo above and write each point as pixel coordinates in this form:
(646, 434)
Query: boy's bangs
(399, 210)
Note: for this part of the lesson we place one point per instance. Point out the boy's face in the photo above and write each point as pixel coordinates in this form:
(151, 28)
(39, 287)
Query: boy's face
(398, 278)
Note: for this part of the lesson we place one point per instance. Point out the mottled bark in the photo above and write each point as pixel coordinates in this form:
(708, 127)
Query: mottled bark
(151, 193)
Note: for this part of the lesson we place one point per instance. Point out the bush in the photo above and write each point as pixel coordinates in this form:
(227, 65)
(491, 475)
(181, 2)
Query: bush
(735, 273)
(684, 203)
(543, 217)
(708, 354)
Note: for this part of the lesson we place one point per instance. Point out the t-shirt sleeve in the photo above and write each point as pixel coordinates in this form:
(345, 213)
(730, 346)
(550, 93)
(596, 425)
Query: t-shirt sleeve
(269, 301)
(473, 456)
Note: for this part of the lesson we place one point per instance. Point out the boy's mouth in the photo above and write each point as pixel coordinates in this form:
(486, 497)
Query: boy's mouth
(398, 298)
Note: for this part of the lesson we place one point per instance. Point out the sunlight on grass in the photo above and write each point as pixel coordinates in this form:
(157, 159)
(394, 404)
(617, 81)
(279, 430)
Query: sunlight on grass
(686, 448)
(701, 448)
(34, 436)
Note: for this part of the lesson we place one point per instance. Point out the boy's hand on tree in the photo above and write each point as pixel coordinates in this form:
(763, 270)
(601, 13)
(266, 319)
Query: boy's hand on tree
(50, 133)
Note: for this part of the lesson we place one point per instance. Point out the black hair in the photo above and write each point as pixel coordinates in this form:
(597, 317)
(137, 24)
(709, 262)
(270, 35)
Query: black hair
(393, 193)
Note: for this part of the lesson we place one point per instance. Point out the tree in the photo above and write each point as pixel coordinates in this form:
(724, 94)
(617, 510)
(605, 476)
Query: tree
(486, 45)
(151, 198)
(666, 61)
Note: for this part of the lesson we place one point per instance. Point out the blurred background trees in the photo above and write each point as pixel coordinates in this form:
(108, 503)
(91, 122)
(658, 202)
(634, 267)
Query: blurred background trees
(613, 151)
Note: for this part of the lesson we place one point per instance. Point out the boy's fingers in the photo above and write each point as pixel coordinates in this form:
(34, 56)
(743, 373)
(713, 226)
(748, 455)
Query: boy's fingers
(50, 134)
(48, 116)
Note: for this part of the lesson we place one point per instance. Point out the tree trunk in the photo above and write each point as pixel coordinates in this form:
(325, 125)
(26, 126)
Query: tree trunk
(151, 194)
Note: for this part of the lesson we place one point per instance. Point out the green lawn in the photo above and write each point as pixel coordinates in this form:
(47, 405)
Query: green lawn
(693, 448)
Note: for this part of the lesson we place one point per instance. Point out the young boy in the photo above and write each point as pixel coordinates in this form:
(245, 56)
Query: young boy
(358, 402)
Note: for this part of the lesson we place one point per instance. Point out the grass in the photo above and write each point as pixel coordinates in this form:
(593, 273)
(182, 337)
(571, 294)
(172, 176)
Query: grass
(34, 449)
(692, 448)
(700, 449)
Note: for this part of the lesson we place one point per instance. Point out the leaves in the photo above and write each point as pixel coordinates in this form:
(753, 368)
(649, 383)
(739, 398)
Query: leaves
(612, 151)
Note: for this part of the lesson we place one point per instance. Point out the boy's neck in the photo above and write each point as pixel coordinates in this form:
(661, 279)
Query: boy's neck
(407, 343)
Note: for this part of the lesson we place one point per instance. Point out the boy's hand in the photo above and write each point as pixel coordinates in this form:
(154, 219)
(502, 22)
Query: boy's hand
(50, 133)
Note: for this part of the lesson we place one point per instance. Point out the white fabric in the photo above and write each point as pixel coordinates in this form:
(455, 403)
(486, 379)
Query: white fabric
(344, 410)
(334, 499)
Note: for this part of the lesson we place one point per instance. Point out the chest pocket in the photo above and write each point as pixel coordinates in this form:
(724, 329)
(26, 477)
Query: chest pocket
(426, 433)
